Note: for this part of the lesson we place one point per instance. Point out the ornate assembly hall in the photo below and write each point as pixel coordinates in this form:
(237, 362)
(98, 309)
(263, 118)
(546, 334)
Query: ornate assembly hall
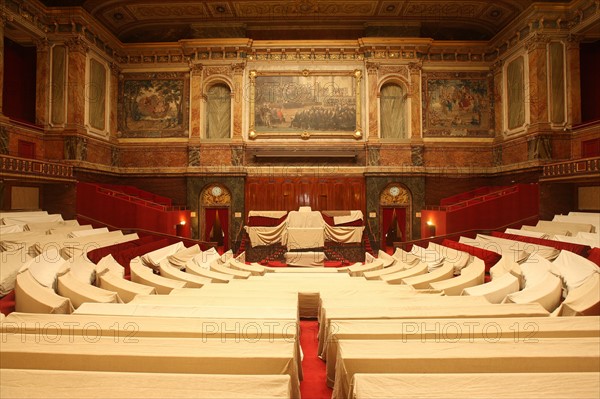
(300, 199)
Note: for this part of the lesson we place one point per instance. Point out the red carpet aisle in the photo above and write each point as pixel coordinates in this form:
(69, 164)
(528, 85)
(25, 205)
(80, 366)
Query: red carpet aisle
(314, 385)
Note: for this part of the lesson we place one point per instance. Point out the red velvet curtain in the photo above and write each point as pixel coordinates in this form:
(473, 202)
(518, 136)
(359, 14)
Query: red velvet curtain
(401, 217)
(387, 220)
(224, 219)
(210, 215)
(387, 214)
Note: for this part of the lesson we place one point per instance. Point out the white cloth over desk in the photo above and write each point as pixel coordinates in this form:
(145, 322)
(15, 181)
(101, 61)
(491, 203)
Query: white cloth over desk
(267, 214)
(306, 229)
(464, 356)
(314, 259)
(207, 311)
(451, 330)
(476, 386)
(149, 354)
(61, 384)
(305, 237)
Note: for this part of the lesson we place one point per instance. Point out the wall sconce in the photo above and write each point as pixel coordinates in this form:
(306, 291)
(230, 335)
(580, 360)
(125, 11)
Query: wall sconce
(192, 214)
(182, 223)
(431, 228)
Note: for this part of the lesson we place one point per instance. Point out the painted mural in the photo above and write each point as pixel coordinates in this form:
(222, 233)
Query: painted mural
(457, 105)
(153, 105)
(289, 103)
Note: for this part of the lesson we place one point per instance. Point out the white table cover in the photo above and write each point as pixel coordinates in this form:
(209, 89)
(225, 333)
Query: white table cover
(521, 329)
(465, 356)
(426, 312)
(62, 384)
(476, 386)
(150, 354)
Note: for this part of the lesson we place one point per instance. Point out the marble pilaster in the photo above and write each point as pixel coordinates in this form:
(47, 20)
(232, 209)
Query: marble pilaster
(574, 77)
(237, 100)
(372, 94)
(538, 79)
(76, 86)
(496, 71)
(196, 100)
(2, 22)
(42, 82)
(114, 99)
(415, 100)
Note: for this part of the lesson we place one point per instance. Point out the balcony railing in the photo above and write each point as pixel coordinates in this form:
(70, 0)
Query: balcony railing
(138, 200)
(34, 168)
(588, 167)
(476, 200)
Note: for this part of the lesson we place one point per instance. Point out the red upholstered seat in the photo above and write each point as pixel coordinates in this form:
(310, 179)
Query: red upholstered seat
(579, 249)
(7, 303)
(276, 263)
(489, 258)
(594, 256)
(125, 257)
(333, 263)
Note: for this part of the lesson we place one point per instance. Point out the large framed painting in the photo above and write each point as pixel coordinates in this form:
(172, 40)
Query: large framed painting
(153, 105)
(458, 104)
(305, 104)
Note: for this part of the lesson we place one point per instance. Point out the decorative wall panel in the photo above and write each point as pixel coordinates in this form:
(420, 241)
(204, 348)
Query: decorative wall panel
(457, 105)
(153, 105)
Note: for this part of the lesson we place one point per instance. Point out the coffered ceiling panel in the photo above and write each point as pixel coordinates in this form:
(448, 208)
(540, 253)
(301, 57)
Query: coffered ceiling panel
(160, 20)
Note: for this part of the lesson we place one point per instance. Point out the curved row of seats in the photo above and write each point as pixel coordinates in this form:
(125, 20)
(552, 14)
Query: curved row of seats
(376, 351)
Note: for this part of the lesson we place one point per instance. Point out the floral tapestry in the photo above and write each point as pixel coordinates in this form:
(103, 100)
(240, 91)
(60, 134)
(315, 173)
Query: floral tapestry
(457, 105)
(153, 105)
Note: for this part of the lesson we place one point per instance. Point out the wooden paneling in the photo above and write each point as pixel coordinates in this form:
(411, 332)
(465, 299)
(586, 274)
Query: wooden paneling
(290, 193)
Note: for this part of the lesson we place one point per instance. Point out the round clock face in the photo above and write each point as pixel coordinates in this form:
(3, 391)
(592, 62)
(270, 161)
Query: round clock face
(216, 191)
(394, 191)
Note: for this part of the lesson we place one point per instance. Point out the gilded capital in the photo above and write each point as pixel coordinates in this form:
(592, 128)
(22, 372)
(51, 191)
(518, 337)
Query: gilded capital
(196, 69)
(372, 68)
(77, 44)
(42, 45)
(115, 69)
(415, 67)
(537, 41)
(238, 68)
(573, 42)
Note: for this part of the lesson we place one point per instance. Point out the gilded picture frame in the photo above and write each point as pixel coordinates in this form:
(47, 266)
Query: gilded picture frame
(306, 104)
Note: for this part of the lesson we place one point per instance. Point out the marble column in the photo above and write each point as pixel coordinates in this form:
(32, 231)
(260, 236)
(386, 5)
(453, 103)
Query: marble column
(372, 95)
(538, 81)
(195, 100)
(415, 100)
(2, 22)
(42, 82)
(496, 70)
(113, 123)
(573, 78)
(76, 83)
(237, 97)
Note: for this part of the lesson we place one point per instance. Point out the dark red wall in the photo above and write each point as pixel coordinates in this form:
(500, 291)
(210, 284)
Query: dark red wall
(19, 82)
(590, 81)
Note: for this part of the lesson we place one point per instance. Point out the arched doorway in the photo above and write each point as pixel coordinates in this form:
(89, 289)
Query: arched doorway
(213, 223)
(395, 203)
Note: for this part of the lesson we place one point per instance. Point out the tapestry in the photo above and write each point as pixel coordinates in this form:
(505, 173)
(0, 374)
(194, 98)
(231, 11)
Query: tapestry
(457, 105)
(153, 105)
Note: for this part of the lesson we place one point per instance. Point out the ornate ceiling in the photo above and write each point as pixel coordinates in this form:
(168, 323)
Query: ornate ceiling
(164, 21)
